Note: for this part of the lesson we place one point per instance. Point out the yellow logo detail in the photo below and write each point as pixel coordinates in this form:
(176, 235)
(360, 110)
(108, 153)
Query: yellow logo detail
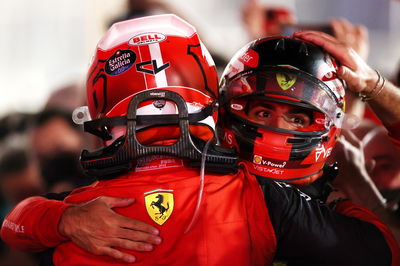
(286, 80)
(159, 206)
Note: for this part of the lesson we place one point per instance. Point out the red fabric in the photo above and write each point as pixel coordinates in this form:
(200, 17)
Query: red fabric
(24, 229)
(370, 115)
(350, 209)
(394, 133)
(233, 226)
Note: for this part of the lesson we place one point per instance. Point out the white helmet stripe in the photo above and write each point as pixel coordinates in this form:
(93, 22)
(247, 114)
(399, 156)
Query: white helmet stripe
(155, 53)
(144, 75)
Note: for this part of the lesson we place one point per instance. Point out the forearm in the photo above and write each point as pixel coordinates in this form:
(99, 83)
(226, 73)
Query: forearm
(33, 224)
(386, 104)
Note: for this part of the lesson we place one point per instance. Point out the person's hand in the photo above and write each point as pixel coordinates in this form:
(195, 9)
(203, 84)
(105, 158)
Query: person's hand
(359, 76)
(253, 18)
(355, 36)
(353, 178)
(96, 228)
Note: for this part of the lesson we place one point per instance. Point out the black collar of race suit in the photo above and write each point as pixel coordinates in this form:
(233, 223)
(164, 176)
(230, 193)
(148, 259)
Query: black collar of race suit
(121, 155)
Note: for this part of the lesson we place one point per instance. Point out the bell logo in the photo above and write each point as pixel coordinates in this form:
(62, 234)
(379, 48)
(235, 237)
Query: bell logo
(147, 38)
(159, 204)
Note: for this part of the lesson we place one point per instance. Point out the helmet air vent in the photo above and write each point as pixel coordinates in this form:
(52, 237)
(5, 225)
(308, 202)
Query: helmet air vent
(280, 45)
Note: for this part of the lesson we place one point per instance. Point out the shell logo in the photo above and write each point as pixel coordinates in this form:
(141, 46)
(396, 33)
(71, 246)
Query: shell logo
(257, 159)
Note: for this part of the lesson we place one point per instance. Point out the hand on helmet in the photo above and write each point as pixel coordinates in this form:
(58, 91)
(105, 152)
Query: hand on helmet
(359, 76)
(95, 227)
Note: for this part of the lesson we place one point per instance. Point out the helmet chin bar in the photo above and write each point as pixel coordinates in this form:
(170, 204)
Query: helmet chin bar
(121, 155)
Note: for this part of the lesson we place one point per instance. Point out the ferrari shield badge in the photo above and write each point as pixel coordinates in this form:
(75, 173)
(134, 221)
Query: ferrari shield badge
(285, 80)
(159, 204)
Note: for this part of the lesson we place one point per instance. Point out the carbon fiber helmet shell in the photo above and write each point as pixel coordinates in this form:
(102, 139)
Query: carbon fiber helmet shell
(289, 71)
(154, 52)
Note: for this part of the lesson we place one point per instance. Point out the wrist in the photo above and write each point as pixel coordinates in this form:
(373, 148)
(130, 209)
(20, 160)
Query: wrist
(374, 86)
(63, 222)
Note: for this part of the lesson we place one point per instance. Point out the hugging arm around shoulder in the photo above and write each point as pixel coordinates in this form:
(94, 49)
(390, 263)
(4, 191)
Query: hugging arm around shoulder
(32, 225)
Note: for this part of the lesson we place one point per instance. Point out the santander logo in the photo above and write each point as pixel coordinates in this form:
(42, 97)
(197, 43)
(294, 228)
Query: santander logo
(147, 38)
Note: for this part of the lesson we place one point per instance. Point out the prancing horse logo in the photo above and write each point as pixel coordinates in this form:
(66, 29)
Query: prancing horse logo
(286, 80)
(159, 204)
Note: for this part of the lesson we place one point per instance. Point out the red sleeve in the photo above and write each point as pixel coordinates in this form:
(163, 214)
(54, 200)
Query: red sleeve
(350, 209)
(370, 115)
(33, 224)
(394, 133)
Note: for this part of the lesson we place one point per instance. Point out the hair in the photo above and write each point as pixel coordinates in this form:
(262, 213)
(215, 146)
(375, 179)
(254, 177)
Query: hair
(46, 115)
(14, 154)
(14, 123)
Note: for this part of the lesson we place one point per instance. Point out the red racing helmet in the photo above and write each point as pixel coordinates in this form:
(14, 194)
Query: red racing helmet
(156, 59)
(286, 71)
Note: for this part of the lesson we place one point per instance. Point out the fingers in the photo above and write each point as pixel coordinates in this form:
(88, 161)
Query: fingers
(354, 36)
(114, 202)
(338, 28)
(352, 79)
(136, 236)
(137, 225)
(132, 245)
(116, 254)
(333, 46)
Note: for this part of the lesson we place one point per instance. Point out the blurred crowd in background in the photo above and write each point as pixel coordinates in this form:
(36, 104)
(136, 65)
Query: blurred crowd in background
(40, 148)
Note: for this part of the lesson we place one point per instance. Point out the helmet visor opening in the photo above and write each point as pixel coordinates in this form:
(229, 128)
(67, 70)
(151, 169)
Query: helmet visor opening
(284, 85)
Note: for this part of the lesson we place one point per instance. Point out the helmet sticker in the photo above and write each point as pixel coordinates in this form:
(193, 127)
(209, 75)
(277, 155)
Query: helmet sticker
(237, 107)
(257, 159)
(159, 204)
(322, 151)
(268, 170)
(147, 38)
(286, 80)
(120, 62)
(159, 103)
(153, 69)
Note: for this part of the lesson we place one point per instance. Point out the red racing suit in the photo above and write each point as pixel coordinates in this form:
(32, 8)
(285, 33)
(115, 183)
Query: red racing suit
(238, 223)
(232, 228)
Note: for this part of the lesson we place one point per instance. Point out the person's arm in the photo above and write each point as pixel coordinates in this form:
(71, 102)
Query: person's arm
(33, 224)
(309, 233)
(384, 97)
(38, 223)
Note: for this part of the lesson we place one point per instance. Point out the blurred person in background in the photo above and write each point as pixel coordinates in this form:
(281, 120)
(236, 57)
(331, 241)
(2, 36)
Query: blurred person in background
(140, 8)
(56, 142)
(261, 20)
(67, 97)
(19, 172)
(19, 179)
(385, 168)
